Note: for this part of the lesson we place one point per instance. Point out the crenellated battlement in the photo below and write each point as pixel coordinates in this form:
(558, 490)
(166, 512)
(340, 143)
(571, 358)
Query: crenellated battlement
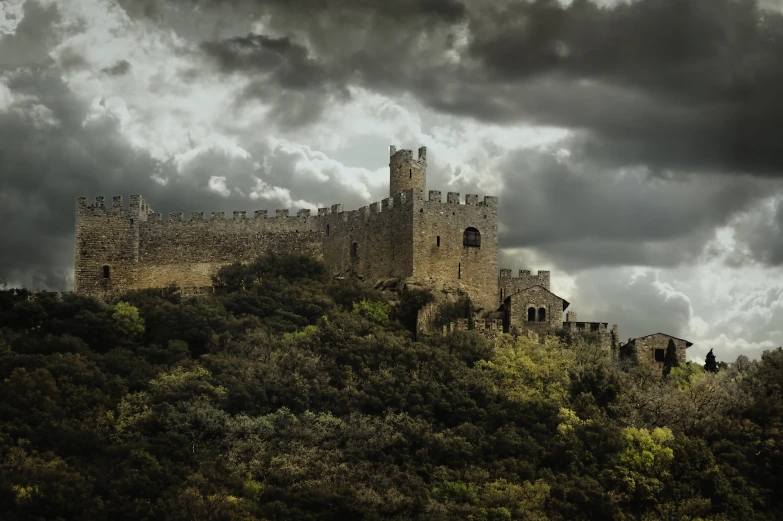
(42, 295)
(442, 240)
(411, 233)
(524, 275)
(508, 285)
(236, 215)
(436, 196)
(138, 207)
(488, 327)
(389, 204)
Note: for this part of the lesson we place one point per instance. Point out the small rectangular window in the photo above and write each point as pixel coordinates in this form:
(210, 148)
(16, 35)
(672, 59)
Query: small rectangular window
(438, 240)
(459, 270)
(105, 272)
(660, 354)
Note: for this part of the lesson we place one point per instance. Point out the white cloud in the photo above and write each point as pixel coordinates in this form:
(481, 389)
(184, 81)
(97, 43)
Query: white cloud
(11, 13)
(218, 185)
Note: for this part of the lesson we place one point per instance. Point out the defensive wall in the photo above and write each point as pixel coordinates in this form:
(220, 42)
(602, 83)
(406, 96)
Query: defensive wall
(414, 236)
(508, 285)
(120, 248)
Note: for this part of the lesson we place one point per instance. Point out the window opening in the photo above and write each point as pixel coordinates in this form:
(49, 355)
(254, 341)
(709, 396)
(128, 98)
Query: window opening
(438, 241)
(411, 174)
(471, 238)
(541, 314)
(660, 354)
(106, 270)
(459, 270)
(354, 249)
(593, 328)
(531, 314)
(327, 230)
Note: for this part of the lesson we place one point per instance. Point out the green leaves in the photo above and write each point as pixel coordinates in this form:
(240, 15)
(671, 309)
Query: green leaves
(128, 319)
(286, 397)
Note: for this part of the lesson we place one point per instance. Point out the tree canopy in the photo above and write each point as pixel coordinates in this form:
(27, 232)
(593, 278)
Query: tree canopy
(288, 396)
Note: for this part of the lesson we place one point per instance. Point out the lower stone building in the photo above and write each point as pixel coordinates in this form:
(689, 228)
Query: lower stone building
(651, 349)
(535, 310)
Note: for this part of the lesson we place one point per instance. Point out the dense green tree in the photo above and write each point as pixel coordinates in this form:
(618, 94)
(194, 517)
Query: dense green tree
(286, 396)
(670, 358)
(710, 364)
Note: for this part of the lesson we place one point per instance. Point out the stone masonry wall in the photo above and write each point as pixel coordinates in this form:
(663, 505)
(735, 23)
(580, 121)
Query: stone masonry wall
(404, 236)
(187, 252)
(517, 306)
(646, 346)
(107, 236)
(406, 173)
(508, 285)
(382, 235)
(438, 250)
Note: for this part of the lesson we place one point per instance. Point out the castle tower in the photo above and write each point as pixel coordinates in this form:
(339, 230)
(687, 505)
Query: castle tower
(405, 172)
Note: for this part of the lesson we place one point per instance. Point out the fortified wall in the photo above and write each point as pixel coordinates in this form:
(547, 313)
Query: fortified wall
(449, 246)
(405, 235)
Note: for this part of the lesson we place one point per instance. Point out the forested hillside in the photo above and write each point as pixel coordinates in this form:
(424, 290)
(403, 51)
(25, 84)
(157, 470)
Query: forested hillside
(288, 396)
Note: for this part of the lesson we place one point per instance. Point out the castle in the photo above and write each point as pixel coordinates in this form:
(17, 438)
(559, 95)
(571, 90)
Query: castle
(405, 237)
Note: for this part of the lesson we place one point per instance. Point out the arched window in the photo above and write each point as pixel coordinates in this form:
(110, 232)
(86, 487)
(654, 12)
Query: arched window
(327, 230)
(354, 249)
(106, 271)
(541, 314)
(531, 314)
(471, 238)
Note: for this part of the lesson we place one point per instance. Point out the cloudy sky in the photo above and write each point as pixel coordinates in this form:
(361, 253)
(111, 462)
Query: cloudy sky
(636, 146)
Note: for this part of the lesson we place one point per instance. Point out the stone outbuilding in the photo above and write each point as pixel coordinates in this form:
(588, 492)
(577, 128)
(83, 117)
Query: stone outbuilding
(534, 309)
(651, 349)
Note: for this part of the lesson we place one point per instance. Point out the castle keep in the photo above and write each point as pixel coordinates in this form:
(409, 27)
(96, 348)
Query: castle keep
(408, 235)
(411, 235)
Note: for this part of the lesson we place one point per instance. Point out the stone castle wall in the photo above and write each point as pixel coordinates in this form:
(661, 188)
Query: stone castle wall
(107, 237)
(373, 241)
(646, 346)
(439, 251)
(508, 285)
(187, 252)
(404, 236)
(518, 304)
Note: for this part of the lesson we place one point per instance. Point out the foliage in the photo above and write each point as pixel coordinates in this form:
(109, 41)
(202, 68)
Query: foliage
(377, 312)
(286, 396)
(449, 312)
(670, 358)
(128, 319)
(710, 363)
(411, 301)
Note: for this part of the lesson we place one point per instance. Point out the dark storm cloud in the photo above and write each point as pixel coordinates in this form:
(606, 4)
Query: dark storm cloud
(297, 87)
(679, 84)
(44, 170)
(579, 214)
(118, 69)
(685, 90)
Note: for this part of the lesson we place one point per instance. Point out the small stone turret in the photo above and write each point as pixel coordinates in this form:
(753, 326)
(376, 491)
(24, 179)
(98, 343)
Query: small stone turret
(406, 173)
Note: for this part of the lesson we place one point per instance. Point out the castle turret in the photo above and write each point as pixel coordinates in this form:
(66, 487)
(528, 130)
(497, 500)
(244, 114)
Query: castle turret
(405, 172)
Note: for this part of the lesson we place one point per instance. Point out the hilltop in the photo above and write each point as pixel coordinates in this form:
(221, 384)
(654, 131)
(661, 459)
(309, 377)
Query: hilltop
(287, 395)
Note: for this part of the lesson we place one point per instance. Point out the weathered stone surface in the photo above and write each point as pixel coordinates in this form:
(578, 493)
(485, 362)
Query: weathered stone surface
(405, 236)
(534, 309)
(407, 240)
(646, 347)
